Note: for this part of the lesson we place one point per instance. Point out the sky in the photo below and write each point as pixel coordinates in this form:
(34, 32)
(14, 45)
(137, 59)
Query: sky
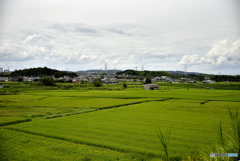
(203, 36)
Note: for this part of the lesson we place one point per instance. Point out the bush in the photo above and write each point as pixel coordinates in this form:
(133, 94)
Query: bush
(20, 80)
(60, 81)
(148, 81)
(125, 85)
(97, 83)
(14, 122)
(47, 81)
(82, 82)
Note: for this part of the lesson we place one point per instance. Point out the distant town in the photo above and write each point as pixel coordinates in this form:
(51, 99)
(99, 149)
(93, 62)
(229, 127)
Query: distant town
(111, 76)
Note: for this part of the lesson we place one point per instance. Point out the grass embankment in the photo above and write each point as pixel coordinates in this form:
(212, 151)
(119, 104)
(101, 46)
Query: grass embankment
(12, 120)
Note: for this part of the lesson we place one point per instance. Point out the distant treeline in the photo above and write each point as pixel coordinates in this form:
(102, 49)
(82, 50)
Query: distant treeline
(145, 73)
(40, 72)
(99, 71)
(199, 77)
(222, 78)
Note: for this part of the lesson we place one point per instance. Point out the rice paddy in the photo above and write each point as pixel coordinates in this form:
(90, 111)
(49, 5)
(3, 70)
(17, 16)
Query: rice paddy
(116, 125)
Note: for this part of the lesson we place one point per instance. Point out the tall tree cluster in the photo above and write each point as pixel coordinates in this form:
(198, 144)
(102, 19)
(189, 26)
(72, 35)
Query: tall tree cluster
(145, 73)
(41, 72)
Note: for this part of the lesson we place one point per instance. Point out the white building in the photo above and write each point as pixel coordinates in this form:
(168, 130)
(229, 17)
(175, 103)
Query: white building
(162, 78)
(4, 79)
(207, 81)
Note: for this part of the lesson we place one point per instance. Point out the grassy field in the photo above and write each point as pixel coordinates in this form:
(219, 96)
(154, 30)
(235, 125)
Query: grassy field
(110, 124)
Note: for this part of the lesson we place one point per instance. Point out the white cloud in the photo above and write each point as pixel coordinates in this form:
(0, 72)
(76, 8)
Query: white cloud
(224, 53)
(20, 52)
(41, 50)
(86, 34)
(32, 39)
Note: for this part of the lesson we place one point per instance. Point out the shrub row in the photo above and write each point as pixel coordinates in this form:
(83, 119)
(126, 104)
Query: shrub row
(15, 122)
(68, 114)
(127, 104)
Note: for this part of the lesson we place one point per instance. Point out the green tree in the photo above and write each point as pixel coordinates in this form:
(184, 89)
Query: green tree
(148, 81)
(82, 82)
(200, 77)
(97, 83)
(41, 72)
(61, 81)
(124, 85)
(20, 80)
(47, 81)
(57, 74)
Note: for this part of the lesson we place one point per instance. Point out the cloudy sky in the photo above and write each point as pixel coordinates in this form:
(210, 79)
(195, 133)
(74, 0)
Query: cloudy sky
(85, 34)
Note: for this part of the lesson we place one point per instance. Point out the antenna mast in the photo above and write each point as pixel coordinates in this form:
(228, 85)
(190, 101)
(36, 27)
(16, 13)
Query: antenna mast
(8, 67)
(219, 77)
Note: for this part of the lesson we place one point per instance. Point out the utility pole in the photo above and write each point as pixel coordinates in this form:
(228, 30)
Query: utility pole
(219, 77)
(186, 76)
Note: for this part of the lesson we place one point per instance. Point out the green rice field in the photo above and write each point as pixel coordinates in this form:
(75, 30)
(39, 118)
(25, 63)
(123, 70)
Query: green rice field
(110, 124)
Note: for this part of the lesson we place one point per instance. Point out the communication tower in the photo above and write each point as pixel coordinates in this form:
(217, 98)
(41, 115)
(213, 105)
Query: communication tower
(105, 67)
